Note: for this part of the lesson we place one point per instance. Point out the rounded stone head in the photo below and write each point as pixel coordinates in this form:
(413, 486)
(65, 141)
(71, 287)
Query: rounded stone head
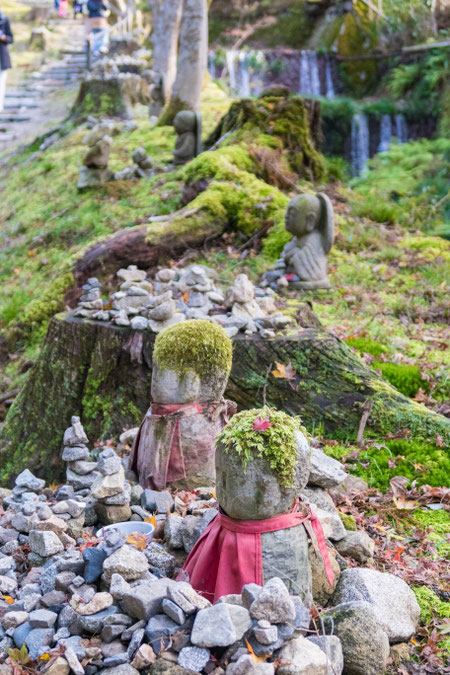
(256, 491)
(191, 362)
(184, 121)
(302, 214)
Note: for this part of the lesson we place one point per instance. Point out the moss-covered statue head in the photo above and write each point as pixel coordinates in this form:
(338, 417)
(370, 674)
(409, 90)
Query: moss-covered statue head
(184, 121)
(262, 462)
(191, 362)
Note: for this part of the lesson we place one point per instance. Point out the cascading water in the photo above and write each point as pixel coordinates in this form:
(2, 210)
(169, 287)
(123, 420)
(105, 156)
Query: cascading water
(360, 144)
(385, 133)
(211, 64)
(401, 128)
(230, 57)
(330, 93)
(244, 85)
(309, 74)
(244, 71)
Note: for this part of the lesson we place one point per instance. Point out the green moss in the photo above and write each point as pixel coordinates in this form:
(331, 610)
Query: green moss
(421, 461)
(405, 378)
(368, 346)
(49, 303)
(430, 605)
(348, 521)
(292, 28)
(277, 444)
(356, 37)
(201, 346)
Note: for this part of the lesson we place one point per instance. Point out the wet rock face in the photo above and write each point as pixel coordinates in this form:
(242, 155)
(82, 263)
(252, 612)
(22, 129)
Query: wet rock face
(257, 493)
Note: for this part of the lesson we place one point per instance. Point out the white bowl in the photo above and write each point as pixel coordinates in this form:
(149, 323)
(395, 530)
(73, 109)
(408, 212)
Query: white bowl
(128, 528)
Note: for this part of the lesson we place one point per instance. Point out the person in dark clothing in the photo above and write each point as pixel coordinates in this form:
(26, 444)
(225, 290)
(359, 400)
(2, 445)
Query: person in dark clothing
(6, 38)
(97, 25)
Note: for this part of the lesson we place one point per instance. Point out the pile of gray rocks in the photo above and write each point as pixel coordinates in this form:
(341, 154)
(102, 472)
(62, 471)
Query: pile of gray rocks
(176, 294)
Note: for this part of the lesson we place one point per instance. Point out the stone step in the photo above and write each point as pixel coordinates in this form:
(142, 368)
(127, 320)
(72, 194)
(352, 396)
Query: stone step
(8, 117)
(20, 106)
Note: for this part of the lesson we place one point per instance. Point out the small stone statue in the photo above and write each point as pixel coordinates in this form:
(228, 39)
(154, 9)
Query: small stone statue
(188, 126)
(261, 532)
(176, 441)
(303, 262)
(157, 95)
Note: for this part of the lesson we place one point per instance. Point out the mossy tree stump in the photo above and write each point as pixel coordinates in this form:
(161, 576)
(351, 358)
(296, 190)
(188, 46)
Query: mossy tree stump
(85, 368)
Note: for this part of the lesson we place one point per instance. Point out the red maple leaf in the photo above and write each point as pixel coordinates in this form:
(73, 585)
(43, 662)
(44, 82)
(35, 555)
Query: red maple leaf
(261, 424)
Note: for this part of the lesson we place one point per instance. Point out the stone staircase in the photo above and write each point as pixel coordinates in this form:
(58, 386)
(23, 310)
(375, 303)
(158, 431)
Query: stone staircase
(25, 104)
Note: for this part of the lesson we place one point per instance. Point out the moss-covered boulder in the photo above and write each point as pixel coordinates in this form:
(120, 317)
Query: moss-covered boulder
(85, 368)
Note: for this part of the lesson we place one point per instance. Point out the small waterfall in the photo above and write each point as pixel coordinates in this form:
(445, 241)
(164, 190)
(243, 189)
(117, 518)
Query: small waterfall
(230, 57)
(385, 133)
(401, 128)
(330, 93)
(309, 74)
(360, 143)
(211, 64)
(244, 76)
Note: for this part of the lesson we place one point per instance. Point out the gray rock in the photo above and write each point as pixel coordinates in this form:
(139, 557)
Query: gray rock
(158, 631)
(250, 592)
(145, 600)
(129, 632)
(128, 562)
(332, 648)
(358, 545)
(158, 557)
(110, 633)
(118, 586)
(139, 323)
(220, 625)
(30, 482)
(193, 658)
(66, 617)
(153, 501)
(93, 623)
(172, 610)
(364, 643)
(42, 618)
(246, 665)
(172, 531)
(82, 467)
(180, 600)
(301, 657)
(80, 482)
(125, 669)
(332, 525)
(53, 598)
(48, 578)
(265, 633)
(108, 462)
(394, 603)
(274, 603)
(38, 638)
(75, 453)
(45, 544)
(135, 642)
(285, 553)
(325, 472)
(21, 633)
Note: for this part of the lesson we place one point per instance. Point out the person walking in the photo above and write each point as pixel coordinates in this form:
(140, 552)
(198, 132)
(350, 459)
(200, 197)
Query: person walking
(97, 25)
(6, 38)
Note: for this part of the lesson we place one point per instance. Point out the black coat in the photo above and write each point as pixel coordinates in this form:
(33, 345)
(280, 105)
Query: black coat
(5, 29)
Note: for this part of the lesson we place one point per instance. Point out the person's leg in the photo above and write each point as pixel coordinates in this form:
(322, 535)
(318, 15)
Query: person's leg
(104, 41)
(3, 74)
(96, 41)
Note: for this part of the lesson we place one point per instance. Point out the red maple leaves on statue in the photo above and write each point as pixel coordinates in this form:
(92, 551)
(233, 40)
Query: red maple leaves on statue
(261, 424)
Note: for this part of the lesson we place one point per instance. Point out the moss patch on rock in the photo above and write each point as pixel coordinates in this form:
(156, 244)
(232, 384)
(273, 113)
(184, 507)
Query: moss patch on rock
(276, 443)
(403, 377)
(198, 345)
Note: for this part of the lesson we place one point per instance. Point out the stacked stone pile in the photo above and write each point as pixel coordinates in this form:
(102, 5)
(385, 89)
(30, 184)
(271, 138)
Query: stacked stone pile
(111, 604)
(142, 166)
(111, 490)
(90, 305)
(95, 169)
(192, 293)
(81, 473)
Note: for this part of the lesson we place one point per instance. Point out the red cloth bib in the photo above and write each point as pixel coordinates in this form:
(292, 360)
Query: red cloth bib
(228, 555)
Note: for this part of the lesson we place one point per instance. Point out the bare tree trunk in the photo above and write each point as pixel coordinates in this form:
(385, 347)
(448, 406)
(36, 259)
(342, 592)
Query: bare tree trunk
(192, 59)
(166, 16)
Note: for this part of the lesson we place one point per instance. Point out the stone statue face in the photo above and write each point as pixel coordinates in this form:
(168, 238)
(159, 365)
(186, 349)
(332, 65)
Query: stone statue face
(184, 121)
(168, 386)
(257, 494)
(302, 215)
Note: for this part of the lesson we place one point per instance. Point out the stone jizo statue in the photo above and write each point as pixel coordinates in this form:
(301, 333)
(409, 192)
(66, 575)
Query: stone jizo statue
(261, 532)
(176, 442)
(310, 219)
(188, 126)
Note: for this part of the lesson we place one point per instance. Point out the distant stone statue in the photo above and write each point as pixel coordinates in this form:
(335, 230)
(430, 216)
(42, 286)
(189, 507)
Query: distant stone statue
(303, 262)
(262, 463)
(176, 440)
(157, 95)
(188, 126)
